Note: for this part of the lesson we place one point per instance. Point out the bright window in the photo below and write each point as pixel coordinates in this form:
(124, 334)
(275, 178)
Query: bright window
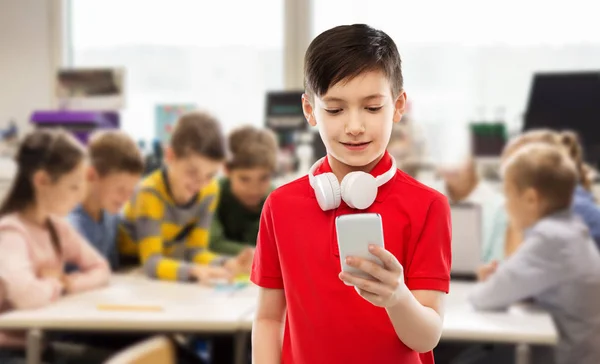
(217, 55)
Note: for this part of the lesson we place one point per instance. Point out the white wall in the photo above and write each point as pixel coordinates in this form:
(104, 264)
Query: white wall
(29, 51)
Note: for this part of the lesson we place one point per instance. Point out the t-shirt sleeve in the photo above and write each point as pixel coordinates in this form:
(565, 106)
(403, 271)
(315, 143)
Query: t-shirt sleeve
(266, 269)
(429, 266)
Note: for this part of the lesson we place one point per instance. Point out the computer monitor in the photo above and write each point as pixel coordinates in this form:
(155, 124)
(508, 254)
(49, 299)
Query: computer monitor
(284, 111)
(466, 240)
(567, 100)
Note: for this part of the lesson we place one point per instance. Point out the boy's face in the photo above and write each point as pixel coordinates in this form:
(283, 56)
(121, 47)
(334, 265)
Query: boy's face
(523, 206)
(250, 185)
(114, 189)
(355, 117)
(189, 174)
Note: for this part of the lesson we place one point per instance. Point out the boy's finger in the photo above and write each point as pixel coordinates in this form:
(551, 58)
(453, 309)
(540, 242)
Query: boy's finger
(369, 296)
(374, 269)
(367, 285)
(388, 259)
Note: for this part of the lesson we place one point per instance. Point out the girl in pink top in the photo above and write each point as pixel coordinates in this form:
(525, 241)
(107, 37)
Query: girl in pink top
(35, 241)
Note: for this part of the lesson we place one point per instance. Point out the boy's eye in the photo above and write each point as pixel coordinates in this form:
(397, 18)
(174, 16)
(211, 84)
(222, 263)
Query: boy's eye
(333, 111)
(374, 109)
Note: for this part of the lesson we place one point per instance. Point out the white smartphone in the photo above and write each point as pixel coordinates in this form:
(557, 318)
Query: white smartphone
(355, 233)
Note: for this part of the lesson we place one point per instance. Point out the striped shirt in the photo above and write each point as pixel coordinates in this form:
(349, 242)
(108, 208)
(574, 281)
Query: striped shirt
(168, 238)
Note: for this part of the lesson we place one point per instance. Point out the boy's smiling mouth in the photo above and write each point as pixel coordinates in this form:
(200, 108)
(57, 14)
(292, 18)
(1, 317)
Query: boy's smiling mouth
(355, 145)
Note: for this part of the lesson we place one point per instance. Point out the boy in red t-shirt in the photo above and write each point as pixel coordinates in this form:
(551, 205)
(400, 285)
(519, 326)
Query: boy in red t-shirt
(354, 94)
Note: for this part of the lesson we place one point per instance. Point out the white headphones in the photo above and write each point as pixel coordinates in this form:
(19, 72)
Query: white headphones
(358, 189)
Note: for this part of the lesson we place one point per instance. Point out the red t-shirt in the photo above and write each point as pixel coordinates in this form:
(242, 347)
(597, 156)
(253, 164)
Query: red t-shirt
(327, 321)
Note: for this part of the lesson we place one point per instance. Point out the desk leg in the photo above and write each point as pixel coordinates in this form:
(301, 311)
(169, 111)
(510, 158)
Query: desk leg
(35, 338)
(241, 345)
(523, 354)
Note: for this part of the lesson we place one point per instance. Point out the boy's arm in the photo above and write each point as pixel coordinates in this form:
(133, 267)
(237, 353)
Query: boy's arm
(412, 295)
(416, 315)
(148, 211)
(535, 267)
(418, 320)
(220, 244)
(267, 330)
(266, 273)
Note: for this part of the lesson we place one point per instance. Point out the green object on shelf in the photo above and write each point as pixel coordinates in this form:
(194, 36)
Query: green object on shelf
(489, 129)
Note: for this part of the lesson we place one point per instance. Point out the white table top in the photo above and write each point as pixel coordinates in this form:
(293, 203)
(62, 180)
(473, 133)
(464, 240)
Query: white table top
(183, 308)
(519, 324)
(463, 323)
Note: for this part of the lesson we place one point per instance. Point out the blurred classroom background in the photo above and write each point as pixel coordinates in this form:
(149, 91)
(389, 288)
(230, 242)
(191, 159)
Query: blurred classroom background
(470, 67)
(476, 73)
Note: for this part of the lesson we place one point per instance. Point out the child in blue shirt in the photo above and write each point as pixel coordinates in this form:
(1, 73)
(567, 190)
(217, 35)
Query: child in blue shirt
(115, 169)
(557, 264)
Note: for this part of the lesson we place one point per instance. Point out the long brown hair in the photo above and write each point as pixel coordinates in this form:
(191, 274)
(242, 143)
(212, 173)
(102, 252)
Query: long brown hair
(570, 140)
(52, 150)
(567, 139)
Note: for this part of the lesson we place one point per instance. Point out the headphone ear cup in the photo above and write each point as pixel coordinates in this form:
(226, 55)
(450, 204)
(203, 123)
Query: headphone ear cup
(359, 190)
(327, 191)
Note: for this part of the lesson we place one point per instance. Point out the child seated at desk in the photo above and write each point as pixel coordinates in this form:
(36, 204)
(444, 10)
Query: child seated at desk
(557, 264)
(167, 221)
(116, 168)
(35, 240)
(462, 184)
(583, 204)
(244, 191)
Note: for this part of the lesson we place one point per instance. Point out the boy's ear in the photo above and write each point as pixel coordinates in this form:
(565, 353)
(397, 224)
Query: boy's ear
(307, 108)
(92, 174)
(399, 107)
(169, 154)
(531, 196)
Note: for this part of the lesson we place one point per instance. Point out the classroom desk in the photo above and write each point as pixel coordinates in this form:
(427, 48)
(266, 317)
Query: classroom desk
(520, 325)
(161, 307)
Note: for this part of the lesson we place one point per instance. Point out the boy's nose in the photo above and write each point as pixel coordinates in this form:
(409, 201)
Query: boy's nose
(354, 126)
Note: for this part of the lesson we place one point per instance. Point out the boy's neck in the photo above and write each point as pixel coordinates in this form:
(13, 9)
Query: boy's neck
(92, 206)
(340, 170)
(171, 189)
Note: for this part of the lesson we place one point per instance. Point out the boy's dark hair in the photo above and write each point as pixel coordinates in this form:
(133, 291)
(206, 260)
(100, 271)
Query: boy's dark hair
(346, 51)
(114, 151)
(51, 150)
(548, 170)
(198, 133)
(252, 147)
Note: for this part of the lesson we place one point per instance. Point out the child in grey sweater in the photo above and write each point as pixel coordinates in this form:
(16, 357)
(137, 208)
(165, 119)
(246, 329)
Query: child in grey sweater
(557, 264)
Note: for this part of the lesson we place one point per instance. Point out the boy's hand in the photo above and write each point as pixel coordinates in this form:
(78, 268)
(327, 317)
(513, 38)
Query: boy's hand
(486, 270)
(242, 264)
(387, 287)
(209, 275)
(47, 273)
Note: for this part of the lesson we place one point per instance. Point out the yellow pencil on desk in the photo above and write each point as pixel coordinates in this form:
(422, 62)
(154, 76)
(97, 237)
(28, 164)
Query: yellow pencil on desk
(136, 308)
